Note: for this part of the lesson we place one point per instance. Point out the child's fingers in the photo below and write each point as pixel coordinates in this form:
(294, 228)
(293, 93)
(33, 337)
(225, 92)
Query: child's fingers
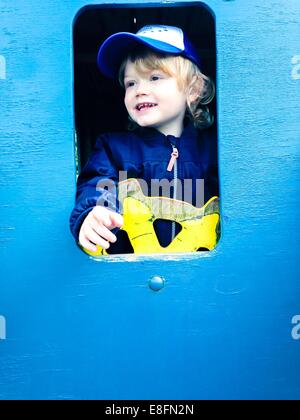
(84, 242)
(96, 239)
(108, 218)
(102, 231)
(116, 219)
(101, 215)
(87, 244)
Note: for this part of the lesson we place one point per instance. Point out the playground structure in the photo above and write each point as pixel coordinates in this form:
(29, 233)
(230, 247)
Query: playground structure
(220, 324)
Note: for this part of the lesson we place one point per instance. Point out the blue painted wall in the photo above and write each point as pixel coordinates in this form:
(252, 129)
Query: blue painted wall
(72, 327)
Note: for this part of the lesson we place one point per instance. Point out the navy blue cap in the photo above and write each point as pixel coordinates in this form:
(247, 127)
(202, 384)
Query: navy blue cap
(161, 38)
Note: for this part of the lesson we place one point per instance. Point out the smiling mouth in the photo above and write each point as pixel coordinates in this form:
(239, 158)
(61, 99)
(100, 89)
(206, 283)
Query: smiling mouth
(144, 105)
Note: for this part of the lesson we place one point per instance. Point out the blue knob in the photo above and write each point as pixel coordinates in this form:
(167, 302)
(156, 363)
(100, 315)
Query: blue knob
(156, 283)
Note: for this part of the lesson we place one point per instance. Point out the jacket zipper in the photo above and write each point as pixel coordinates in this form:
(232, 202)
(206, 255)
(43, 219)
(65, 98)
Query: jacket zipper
(173, 164)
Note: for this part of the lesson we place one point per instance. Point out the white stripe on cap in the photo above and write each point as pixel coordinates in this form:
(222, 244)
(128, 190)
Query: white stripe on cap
(168, 34)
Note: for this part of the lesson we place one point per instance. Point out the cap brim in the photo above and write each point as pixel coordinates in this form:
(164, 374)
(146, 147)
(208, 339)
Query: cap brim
(116, 48)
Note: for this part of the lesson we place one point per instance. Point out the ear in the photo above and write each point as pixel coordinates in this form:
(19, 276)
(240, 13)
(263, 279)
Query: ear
(196, 88)
(193, 96)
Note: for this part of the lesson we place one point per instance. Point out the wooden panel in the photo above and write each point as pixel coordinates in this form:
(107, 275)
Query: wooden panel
(221, 327)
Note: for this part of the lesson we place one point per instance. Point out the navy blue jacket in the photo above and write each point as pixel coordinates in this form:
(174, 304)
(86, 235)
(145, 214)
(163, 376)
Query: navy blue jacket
(145, 154)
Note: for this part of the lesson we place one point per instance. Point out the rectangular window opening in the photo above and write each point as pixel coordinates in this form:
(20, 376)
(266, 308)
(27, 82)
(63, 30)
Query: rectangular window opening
(187, 218)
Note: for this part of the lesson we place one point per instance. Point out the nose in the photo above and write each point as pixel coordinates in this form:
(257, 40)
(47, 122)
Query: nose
(142, 88)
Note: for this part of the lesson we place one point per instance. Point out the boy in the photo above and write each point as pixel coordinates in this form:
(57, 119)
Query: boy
(160, 71)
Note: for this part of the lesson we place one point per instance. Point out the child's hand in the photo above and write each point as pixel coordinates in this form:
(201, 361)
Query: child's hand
(96, 228)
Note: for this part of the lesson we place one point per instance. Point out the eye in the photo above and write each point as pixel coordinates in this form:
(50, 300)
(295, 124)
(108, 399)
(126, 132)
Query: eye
(155, 77)
(129, 84)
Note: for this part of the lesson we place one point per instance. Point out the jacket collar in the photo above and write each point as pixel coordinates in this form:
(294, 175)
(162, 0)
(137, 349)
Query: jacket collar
(189, 133)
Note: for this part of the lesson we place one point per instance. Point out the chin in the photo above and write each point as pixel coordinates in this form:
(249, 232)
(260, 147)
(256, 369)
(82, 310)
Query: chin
(144, 124)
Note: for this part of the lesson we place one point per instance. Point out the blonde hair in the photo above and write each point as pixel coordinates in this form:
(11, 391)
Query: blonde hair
(189, 79)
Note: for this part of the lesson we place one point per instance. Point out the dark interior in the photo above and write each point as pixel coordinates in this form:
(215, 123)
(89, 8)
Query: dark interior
(98, 101)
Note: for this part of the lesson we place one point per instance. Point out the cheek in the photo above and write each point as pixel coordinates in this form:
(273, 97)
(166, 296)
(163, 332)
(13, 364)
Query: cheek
(182, 101)
(126, 101)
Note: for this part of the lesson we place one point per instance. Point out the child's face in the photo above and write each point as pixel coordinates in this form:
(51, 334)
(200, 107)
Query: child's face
(153, 99)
